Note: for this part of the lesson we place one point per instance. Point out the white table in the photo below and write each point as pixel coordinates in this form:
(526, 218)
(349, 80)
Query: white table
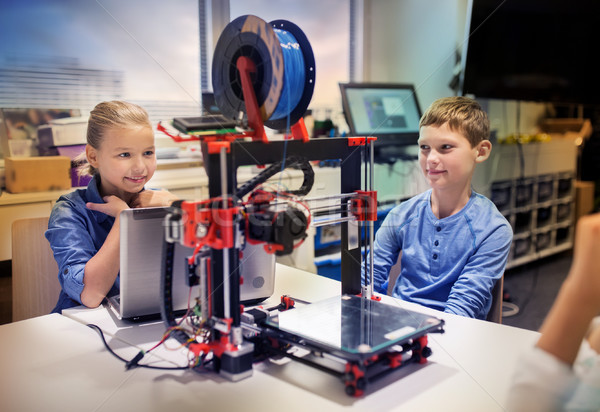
(57, 363)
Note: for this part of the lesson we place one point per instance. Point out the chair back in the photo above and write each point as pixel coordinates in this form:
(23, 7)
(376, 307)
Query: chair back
(35, 286)
(495, 313)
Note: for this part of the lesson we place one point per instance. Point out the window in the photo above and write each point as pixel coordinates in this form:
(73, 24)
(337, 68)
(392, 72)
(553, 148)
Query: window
(72, 54)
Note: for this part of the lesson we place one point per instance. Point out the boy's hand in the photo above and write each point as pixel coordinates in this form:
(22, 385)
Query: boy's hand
(152, 198)
(112, 207)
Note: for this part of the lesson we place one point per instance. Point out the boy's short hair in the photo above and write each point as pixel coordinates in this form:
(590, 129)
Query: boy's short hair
(463, 115)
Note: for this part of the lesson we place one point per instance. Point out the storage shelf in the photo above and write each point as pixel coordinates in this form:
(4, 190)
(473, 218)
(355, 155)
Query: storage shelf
(541, 212)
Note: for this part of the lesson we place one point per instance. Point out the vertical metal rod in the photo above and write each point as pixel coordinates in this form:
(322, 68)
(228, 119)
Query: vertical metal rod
(226, 291)
(202, 273)
(366, 294)
(371, 223)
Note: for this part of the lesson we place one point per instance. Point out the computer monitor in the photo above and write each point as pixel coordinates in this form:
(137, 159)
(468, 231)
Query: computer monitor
(387, 111)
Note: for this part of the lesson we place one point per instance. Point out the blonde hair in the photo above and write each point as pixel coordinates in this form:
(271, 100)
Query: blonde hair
(110, 115)
(462, 114)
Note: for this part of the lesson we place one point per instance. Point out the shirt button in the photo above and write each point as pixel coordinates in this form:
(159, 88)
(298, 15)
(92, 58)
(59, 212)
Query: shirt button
(438, 228)
(435, 256)
(436, 243)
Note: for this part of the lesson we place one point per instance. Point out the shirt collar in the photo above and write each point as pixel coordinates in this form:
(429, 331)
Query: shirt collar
(453, 217)
(93, 190)
(93, 195)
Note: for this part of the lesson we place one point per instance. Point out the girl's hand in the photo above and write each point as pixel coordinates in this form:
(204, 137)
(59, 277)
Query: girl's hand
(578, 300)
(584, 276)
(152, 198)
(112, 207)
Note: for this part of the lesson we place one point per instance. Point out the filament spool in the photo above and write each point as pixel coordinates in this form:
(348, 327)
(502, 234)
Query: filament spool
(250, 36)
(307, 71)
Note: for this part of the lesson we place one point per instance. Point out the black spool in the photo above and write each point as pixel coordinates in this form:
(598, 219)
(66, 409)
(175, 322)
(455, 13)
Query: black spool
(252, 37)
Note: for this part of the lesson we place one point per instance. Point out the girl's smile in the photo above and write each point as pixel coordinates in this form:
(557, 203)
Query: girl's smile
(126, 160)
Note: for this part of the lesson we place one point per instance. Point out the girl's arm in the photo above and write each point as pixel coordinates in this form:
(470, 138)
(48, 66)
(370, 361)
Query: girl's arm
(102, 269)
(578, 300)
(152, 198)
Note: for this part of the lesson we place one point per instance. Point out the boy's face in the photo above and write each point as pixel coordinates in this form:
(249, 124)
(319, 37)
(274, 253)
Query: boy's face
(125, 160)
(447, 159)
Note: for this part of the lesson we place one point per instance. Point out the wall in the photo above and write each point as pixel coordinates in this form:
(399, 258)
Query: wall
(413, 41)
(512, 117)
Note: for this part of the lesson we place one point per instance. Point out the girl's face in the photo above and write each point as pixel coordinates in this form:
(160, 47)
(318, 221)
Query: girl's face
(447, 158)
(125, 160)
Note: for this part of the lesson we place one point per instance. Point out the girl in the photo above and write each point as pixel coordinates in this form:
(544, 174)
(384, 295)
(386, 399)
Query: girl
(83, 229)
(562, 371)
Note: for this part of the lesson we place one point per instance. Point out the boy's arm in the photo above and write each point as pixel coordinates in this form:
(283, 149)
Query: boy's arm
(471, 293)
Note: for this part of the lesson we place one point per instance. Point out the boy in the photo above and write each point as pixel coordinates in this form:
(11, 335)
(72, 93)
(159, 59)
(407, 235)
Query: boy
(453, 242)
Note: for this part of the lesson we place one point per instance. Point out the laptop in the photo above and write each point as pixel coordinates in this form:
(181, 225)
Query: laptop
(141, 244)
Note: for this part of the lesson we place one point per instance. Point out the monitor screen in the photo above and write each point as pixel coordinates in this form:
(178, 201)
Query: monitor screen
(387, 111)
(533, 50)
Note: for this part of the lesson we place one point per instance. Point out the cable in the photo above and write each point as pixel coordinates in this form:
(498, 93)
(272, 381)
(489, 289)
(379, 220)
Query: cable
(511, 309)
(307, 184)
(514, 309)
(531, 291)
(166, 287)
(133, 363)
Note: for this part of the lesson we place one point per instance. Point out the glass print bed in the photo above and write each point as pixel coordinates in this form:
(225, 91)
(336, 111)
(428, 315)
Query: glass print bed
(354, 327)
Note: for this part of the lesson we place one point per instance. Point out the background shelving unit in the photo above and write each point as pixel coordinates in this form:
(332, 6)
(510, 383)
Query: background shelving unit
(540, 210)
(533, 186)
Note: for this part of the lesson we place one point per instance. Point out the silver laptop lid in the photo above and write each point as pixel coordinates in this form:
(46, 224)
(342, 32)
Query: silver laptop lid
(141, 243)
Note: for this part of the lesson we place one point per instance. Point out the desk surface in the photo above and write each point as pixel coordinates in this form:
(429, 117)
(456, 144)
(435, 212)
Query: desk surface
(57, 363)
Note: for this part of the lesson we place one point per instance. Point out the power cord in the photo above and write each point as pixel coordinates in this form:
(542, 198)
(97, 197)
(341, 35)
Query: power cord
(511, 309)
(133, 363)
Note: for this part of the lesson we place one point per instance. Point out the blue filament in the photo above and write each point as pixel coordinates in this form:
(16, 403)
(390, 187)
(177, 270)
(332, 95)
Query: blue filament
(294, 75)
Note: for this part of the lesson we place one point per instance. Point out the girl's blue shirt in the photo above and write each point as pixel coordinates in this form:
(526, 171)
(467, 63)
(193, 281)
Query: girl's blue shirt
(76, 233)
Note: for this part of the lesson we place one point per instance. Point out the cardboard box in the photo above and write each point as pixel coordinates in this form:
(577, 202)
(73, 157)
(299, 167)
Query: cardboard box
(577, 130)
(37, 174)
(584, 198)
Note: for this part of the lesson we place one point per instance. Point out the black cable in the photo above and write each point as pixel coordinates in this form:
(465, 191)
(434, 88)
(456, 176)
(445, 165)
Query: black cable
(133, 363)
(532, 289)
(301, 162)
(516, 309)
(166, 287)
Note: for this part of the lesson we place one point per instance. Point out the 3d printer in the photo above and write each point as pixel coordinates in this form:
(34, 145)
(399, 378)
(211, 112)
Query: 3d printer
(264, 74)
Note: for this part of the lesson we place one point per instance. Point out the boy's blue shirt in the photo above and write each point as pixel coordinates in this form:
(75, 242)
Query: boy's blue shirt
(448, 264)
(76, 233)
